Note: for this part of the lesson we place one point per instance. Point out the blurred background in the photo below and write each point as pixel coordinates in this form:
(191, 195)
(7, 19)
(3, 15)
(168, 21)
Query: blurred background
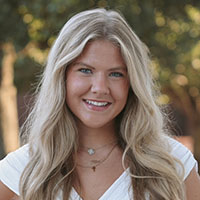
(171, 30)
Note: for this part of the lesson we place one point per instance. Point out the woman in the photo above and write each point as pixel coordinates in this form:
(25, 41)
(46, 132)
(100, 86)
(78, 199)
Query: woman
(95, 131)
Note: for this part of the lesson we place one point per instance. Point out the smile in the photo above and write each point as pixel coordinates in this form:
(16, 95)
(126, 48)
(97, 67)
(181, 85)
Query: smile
(97, 103)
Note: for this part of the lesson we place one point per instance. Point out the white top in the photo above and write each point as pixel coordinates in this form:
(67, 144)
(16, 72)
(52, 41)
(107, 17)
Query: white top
(12, 166)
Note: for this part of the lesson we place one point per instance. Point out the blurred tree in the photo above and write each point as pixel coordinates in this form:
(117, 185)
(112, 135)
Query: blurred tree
(12, 37)
(9, 121)
(169, 28)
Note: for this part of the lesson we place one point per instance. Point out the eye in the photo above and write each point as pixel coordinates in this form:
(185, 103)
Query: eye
(85, 70)
(116, 74)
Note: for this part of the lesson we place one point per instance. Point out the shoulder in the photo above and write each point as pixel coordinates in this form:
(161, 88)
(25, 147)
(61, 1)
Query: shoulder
(183, 154)
(12, 166)
(16, 159)
(192, 185)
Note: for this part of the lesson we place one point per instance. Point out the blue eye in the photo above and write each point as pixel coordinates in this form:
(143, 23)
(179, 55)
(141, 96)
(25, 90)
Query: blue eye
(85, 70)
(116, 74)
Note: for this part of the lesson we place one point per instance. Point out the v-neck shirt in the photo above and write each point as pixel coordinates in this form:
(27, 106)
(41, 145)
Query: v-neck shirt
(12, 166)
(120, 189)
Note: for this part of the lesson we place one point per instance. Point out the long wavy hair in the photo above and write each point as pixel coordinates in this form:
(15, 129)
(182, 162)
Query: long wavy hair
(51, 129)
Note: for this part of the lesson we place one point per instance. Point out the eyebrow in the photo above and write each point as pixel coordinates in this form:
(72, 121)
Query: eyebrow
(111, 69)
(81, 63)
(118, 68)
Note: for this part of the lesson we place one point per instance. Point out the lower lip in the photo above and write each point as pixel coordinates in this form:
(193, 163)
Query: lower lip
(96, 108)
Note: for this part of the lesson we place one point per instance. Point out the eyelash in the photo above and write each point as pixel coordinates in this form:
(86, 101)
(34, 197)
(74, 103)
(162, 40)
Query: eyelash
(116, 74)
(112, 74)
(85, 70)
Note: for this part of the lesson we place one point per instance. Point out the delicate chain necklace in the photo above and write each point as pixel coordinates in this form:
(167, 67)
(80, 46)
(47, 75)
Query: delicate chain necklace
(96, 163)
(92, 151)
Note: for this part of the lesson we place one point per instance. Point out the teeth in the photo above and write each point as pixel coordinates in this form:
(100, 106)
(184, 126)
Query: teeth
(95, 103)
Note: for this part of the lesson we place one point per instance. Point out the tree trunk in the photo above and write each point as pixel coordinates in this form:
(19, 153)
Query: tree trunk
(182, 101)
(8, 100)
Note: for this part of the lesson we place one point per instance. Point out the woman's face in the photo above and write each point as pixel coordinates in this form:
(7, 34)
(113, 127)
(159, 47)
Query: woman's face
(97, 84)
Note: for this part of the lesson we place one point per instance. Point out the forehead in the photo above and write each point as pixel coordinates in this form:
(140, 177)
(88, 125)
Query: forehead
(101, 52)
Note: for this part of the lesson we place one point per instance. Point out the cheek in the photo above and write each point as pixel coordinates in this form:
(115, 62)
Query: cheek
(121, 92)
(75, 86)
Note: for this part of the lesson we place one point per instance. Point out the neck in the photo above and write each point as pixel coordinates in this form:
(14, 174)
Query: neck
(96, 137)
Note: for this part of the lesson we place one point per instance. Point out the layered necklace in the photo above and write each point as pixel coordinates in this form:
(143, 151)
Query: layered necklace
(92, 151)
(94, 163)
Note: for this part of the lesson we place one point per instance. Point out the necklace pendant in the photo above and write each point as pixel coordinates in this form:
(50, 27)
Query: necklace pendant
(93, 168)
(91, 151)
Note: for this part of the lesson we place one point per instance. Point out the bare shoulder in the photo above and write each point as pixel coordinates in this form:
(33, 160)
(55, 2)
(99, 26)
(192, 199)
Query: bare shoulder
(192, 185)
(6, 193)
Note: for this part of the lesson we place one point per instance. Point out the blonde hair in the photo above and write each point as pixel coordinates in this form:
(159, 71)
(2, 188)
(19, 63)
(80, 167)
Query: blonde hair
(51, 129)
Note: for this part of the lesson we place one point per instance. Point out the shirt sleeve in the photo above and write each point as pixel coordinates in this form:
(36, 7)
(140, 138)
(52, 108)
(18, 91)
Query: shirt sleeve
(12, 166)
(182, 153)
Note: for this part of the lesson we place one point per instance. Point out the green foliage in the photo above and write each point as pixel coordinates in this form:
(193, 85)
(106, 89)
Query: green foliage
(169, 28)
(12, 26)
(27, 74)
(45, 18)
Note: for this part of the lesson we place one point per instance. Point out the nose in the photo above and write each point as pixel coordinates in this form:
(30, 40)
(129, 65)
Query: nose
(100, 85)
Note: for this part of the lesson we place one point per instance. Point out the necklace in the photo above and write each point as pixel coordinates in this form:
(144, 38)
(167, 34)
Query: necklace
(96, 163)
(92, 151)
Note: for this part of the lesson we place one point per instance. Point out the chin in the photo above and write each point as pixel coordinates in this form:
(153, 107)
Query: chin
(97, 125)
